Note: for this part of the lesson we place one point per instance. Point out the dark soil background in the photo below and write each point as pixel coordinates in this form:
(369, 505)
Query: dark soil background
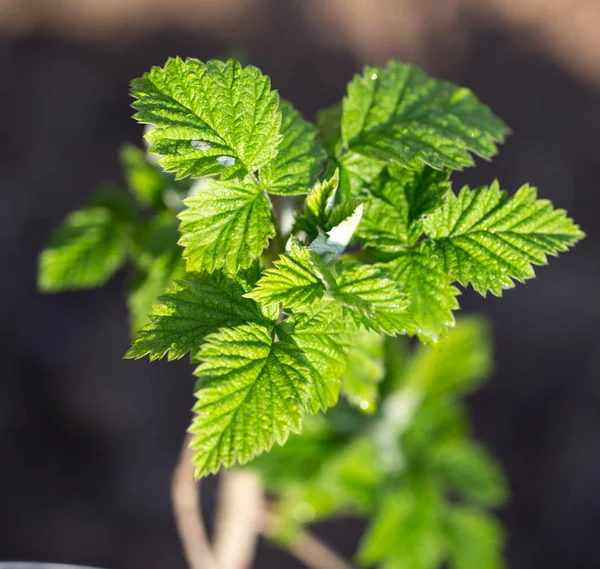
(88, 441)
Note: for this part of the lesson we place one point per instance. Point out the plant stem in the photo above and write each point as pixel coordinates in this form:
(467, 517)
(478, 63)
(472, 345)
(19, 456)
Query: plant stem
(238, 519)
(185, 494)
(315, 554)
(307, 548)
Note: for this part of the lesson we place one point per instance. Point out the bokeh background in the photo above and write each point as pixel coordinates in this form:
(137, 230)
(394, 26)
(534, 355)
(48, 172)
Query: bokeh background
(88, 441)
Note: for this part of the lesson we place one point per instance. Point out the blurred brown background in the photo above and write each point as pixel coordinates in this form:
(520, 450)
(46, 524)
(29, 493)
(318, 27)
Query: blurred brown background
(87, 441)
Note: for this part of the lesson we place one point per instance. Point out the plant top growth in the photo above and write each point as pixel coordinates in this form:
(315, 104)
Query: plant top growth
(290, 260)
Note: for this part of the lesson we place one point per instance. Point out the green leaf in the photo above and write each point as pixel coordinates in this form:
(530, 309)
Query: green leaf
(475, 540)
(294, 281)
(299, 160)
(331, 244)
(324, 346)
(394, 210)
(373, 299)
(211, 119)
(458, 366)
(398, 113)
(301, 458)
(404, 532)
(328, 122)
(364, 371)
(318, 206)
(144, 180)
(430, 294)
(89, 247)
(251, 393)
(195, 307)
(149, 285)
(356, 173)
(471, 470)
(227, 224)
(487, 238)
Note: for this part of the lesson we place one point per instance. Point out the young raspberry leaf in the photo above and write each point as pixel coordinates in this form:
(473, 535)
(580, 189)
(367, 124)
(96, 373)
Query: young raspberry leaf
(90, 245)
(398, 113)
(211, 119)
(225, 225)
(194, 308)
(329, 246)
(429, 292)
(318, 206)
(299, 160)
(294, 281)
(324, 346)
(373, 299)
(394, 210)
(486, 238)
(251, 394)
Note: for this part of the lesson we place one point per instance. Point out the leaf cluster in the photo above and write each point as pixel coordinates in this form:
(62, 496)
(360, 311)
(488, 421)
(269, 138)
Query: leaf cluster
(267, 291)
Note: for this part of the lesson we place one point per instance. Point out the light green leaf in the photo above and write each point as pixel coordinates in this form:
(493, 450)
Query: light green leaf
(149, 285)
(356, 173)
(364, 371)
(227, 224)
(395, 208)
(144, 179)
(428, 289)
(299, 160)
(328, 122)
(475, 540)
(294, 281)
(324, 346)
(487, 238)
(318, 206)
(472, 471)
(195, 307)
(331, 244)
(251, 393)
(214, 118)
(373, 299)
(398, 113)
(458, 366)
(405, 532)
(89, 247)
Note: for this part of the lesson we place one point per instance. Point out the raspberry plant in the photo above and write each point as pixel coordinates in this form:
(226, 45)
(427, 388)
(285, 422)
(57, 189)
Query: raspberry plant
(296, 258)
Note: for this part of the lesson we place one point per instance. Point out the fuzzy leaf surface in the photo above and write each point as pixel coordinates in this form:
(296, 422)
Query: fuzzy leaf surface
(299, 159)
(324, 345)
(373, 299)
(225, 225)
(318, 206)
(395, 208)
(294, 281)
(211, 119)
(398, 113)
(194, 308)
(430, 294)
(487, 238)
(251, 393)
